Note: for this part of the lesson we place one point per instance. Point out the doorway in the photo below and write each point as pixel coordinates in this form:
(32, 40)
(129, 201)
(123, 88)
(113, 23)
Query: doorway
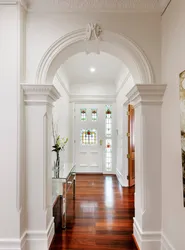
(131, 146)
(94, 138)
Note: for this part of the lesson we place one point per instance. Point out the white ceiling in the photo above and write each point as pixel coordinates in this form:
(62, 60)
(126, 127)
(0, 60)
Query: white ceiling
(77, 68)
(98, 6)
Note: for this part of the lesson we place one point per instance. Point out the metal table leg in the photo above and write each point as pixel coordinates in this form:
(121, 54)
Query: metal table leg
(74, 185)
(64, 216)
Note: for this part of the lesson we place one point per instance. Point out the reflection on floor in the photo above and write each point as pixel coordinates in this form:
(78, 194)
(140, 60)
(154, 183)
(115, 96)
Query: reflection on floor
(101, 217)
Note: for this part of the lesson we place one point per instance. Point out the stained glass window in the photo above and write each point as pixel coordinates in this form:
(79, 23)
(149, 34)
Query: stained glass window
(83, 114)
(108, 155)
(88, 137)
(94, 114)
(108, 121)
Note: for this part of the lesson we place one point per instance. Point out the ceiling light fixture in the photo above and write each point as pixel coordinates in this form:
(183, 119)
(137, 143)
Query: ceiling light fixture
(92, 70)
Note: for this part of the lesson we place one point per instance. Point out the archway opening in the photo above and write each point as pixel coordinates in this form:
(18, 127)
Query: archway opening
(139, 72)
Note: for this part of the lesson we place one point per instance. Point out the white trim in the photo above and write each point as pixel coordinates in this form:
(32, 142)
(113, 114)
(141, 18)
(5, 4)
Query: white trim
(40, 94)
(123, 6)
(141, 69)
(34, 240)
(10, 2)
(121, 178)
(38, 240)
(13, 244)
(148, 94)
(87, 99)
(165, 243)
(147, 240)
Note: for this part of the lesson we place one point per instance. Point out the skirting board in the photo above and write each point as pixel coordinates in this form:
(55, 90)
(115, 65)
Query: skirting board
(30, 240)
(40, 239)
(147, 240)
(165, 244)
(134, 239)
(13, 244)
(121, 179)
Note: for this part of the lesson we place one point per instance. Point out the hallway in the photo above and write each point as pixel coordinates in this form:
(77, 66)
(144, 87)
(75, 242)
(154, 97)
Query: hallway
(103, 216)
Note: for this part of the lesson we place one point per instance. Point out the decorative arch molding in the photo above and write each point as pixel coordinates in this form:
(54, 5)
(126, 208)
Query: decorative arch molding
(112, 43)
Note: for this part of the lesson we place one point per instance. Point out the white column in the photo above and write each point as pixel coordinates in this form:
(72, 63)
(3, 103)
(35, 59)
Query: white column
(147, 100)
(12, 200)
(38, 112)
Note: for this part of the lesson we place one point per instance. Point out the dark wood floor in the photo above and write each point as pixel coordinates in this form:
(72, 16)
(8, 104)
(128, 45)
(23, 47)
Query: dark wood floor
(101, 217)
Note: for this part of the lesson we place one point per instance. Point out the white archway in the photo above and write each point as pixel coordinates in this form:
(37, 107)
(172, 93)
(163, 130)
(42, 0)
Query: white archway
(147, 99)
(111, 43)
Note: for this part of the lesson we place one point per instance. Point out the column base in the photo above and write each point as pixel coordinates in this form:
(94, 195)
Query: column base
(13, 244)
(165, 244)
(121, 179)
(147, 240)
(31, 240)
(37, 240)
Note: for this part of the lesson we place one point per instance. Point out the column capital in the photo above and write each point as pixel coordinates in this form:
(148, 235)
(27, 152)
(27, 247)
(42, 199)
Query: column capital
(147, 94)
(44, 94)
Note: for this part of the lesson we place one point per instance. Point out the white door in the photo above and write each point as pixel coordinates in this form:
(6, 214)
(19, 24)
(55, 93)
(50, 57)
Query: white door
(93, 138)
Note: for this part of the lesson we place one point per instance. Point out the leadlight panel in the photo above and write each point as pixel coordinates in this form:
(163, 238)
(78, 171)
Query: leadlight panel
(83, 113)
(88, 137)
(94, 114)
(108, 121)
(108, 155)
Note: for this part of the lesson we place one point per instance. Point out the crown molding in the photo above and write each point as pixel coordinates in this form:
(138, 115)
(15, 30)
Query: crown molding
(93, 98)
(95, 6)
(147, 94)
(40, 94)
(23, 3)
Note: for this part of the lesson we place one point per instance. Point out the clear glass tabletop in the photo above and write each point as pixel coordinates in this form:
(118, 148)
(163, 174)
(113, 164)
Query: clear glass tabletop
(65, 171)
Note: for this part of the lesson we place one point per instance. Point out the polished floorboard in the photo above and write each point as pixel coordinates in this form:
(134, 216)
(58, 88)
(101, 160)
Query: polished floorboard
(101, 217)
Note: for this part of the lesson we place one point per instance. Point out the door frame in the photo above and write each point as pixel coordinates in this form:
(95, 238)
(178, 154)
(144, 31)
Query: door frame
(114, 137)
(130, 155)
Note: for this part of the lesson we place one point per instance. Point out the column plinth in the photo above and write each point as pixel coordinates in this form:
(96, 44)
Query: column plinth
(38, 115)
(147, 101)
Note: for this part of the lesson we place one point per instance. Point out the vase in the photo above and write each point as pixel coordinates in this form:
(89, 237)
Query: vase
(58, 159)
(56, 170)
(57, 165)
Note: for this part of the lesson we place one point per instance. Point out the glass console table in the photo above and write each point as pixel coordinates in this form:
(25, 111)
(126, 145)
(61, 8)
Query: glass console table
(67, 177)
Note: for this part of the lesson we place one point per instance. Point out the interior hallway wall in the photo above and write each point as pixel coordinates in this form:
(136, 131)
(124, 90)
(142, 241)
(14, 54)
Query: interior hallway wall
(173, 63)
(12, 160)
(61, 116)
(144, 29)
(122, 129)
(61, 120)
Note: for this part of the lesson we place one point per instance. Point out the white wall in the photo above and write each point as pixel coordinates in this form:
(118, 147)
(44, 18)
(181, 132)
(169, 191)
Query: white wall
(173, 63)
(143, 29)
(61, 118)
(12, 172)
(122, 128)
(93, 89)
(61, 115)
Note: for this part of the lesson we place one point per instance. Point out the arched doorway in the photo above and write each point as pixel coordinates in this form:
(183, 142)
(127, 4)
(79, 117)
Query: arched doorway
(112, 43)
(146, 96)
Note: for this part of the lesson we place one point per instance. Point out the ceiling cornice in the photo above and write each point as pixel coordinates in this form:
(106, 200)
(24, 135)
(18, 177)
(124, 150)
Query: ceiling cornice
(23, 3)
(96, 6)
(91, 5)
